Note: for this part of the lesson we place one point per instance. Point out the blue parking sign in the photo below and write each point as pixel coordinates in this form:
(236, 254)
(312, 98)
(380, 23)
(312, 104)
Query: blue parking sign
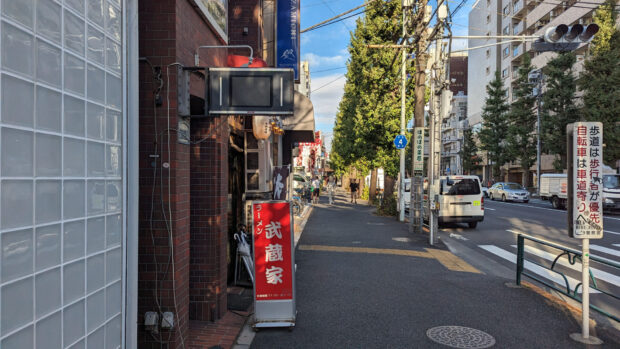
(400, 142)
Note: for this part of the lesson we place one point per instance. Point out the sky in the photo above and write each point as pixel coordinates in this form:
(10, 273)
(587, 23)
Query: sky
(326, 51)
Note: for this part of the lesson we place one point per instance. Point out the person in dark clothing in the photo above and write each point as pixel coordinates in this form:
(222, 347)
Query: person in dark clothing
(354, 187)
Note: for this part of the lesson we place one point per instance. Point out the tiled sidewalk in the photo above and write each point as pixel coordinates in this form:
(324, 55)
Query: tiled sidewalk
(222, 333)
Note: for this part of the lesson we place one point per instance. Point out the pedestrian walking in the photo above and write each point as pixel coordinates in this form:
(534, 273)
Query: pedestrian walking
(353, 186)
(331, 183)
(316, 184)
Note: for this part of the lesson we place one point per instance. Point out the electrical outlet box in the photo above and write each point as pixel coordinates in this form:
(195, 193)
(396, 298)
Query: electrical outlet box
(151, 321)
(168, 320)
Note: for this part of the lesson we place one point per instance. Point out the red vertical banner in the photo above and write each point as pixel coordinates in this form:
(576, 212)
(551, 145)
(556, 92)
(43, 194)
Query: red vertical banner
(272, 229)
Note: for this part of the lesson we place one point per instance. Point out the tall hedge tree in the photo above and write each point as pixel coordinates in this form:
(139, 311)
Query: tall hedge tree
(559, 107)
(600, 81)
(368, 117)
(469, 153)
(521, 140)
(495, 125)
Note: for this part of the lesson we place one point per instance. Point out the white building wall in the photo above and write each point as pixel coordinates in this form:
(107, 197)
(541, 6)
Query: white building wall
(62, 174)
(484, 19)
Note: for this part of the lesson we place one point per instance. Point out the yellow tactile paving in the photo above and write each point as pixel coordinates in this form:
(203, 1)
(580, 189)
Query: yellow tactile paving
(451, 261)
(365, 250)
(446, 258)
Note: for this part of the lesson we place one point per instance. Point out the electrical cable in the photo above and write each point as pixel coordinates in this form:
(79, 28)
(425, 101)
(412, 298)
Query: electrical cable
(170, 239)
(157, 78)
(335, 21)
(329, 83)
(338, 16)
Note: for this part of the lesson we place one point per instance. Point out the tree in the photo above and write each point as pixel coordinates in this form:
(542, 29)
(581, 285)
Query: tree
(521, 140)
(558, 106)
(368, 116)
(495, 125)
(469, 153)
(600, 81)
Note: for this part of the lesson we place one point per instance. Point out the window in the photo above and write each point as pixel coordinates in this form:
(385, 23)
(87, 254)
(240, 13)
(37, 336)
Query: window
(216, 12)
(506, 10)
(488, 18)
(516, 30)
(466, 186)
(505, 73)
(506, 51)
(506, 30)
(516, 7)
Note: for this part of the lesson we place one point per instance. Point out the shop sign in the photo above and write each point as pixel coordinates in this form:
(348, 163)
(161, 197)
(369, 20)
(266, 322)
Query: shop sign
(287, 35)
(274, 287)
(280, 182)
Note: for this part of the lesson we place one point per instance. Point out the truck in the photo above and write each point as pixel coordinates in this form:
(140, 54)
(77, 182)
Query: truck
(553, 187)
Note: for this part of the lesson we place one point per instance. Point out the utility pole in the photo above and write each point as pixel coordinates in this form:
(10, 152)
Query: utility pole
(538, 150)
(417, 179)
(406, 4)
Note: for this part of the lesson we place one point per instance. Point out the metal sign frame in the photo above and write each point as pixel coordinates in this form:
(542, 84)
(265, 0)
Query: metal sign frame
(234, 91)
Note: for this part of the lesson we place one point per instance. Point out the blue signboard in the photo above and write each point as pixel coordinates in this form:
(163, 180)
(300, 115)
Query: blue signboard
(400, 142)
(287, 35)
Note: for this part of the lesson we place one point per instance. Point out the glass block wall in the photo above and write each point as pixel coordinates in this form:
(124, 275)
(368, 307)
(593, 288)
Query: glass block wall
(61, 174)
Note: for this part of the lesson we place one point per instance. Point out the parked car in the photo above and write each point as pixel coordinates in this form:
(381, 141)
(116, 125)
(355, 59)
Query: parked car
(460, 200)
(507, 191)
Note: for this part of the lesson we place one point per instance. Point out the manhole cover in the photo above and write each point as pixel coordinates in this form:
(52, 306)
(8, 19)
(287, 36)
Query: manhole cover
(460, 337)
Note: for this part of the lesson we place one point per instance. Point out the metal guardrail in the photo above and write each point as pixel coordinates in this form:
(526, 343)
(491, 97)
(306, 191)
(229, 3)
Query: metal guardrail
(572, 256)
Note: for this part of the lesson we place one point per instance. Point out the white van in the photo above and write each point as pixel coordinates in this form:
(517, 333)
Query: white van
(461, 200)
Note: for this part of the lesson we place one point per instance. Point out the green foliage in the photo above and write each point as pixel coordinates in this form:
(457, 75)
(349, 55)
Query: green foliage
(364, 194)
(368, 116)
(495, 124)
(605, 17)
(559, 107)
(469, 153)
(521, 141)
(388, 206)
(600, 82)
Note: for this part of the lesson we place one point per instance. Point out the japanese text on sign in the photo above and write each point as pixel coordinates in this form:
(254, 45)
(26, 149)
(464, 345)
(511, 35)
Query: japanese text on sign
(272, 251)
(588, 180)
(418, 149)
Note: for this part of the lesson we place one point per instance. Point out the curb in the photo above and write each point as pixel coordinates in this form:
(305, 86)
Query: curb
(598, 322)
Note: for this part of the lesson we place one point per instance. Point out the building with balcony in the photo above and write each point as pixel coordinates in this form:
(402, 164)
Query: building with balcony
(516, 17)
(452, 135)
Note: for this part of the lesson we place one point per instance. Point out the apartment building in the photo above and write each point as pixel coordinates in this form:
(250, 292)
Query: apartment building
(453, 125)
(452, 135)
(515, 17)
(303, 86)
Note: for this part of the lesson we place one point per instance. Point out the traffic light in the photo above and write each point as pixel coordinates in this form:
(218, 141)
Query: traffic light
(565, 38)
(565, 34)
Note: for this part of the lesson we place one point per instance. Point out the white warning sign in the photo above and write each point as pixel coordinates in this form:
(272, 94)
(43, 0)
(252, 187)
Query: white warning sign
(587, 180)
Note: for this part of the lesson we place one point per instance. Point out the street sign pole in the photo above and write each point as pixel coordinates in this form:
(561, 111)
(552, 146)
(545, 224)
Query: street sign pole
(403, 90)
(585, 216)
(585, 285)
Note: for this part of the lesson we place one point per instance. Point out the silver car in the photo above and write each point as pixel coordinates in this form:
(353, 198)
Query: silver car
(509, 192)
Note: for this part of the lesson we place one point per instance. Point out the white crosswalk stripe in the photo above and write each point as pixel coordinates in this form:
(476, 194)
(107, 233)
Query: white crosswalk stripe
(545, 273)
(605, 250)
(598, 274)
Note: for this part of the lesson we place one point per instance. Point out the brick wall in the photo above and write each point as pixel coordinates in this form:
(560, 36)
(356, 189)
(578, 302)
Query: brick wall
(246, 14)
(170, 31)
